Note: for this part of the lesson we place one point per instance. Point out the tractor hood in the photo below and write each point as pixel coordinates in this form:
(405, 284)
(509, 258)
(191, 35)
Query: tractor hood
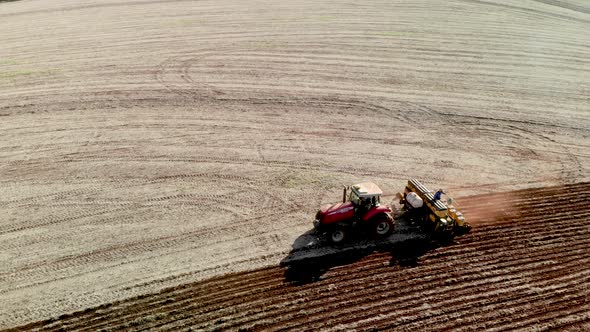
(333, 213)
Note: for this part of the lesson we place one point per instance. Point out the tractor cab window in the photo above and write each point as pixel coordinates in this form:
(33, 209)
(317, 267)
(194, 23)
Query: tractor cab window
(354, 198)
(376, 201)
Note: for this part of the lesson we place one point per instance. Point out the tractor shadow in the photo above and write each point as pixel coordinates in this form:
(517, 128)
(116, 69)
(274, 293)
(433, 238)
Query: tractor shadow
(312, 255)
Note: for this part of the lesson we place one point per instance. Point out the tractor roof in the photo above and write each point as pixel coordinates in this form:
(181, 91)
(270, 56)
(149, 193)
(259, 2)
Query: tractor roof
(367, 189)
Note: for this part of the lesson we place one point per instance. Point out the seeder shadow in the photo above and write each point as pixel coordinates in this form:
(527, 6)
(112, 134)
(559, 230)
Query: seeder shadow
(312, 256)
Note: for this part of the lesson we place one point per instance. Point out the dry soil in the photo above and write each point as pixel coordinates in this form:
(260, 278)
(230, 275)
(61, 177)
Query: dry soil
(147, 144)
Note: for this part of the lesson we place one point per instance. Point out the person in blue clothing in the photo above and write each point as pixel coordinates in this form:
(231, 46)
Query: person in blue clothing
(438, 194)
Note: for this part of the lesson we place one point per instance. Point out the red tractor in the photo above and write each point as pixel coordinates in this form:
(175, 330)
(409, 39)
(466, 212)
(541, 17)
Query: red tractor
(362, 212)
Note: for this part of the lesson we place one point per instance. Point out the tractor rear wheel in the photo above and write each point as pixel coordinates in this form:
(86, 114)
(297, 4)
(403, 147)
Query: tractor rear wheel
(383, 226)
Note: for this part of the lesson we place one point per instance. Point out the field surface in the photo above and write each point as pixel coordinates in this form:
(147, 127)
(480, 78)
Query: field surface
(536, 277)
(149, 144)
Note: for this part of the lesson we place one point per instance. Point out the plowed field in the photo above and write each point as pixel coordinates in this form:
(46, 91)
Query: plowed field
(528, 267)
(149, 144)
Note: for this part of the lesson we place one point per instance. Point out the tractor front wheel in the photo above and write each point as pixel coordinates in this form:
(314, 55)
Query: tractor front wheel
(337, 235)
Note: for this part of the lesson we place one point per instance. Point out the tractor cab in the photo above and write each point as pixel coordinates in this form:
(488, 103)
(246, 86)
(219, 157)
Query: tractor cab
(364, 195)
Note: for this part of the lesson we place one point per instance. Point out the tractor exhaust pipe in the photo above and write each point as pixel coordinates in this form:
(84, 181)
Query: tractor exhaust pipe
(344, 195)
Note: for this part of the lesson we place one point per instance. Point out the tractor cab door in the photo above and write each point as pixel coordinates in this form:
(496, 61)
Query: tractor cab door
(365, 204)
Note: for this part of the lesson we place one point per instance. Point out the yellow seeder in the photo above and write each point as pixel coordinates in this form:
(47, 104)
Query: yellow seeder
(421, 205)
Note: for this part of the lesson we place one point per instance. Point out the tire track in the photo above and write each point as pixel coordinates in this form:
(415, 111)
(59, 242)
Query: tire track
(132, 249)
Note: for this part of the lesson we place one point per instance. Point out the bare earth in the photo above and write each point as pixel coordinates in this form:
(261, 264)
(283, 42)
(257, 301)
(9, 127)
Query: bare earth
(535, 279)
(149, 144)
